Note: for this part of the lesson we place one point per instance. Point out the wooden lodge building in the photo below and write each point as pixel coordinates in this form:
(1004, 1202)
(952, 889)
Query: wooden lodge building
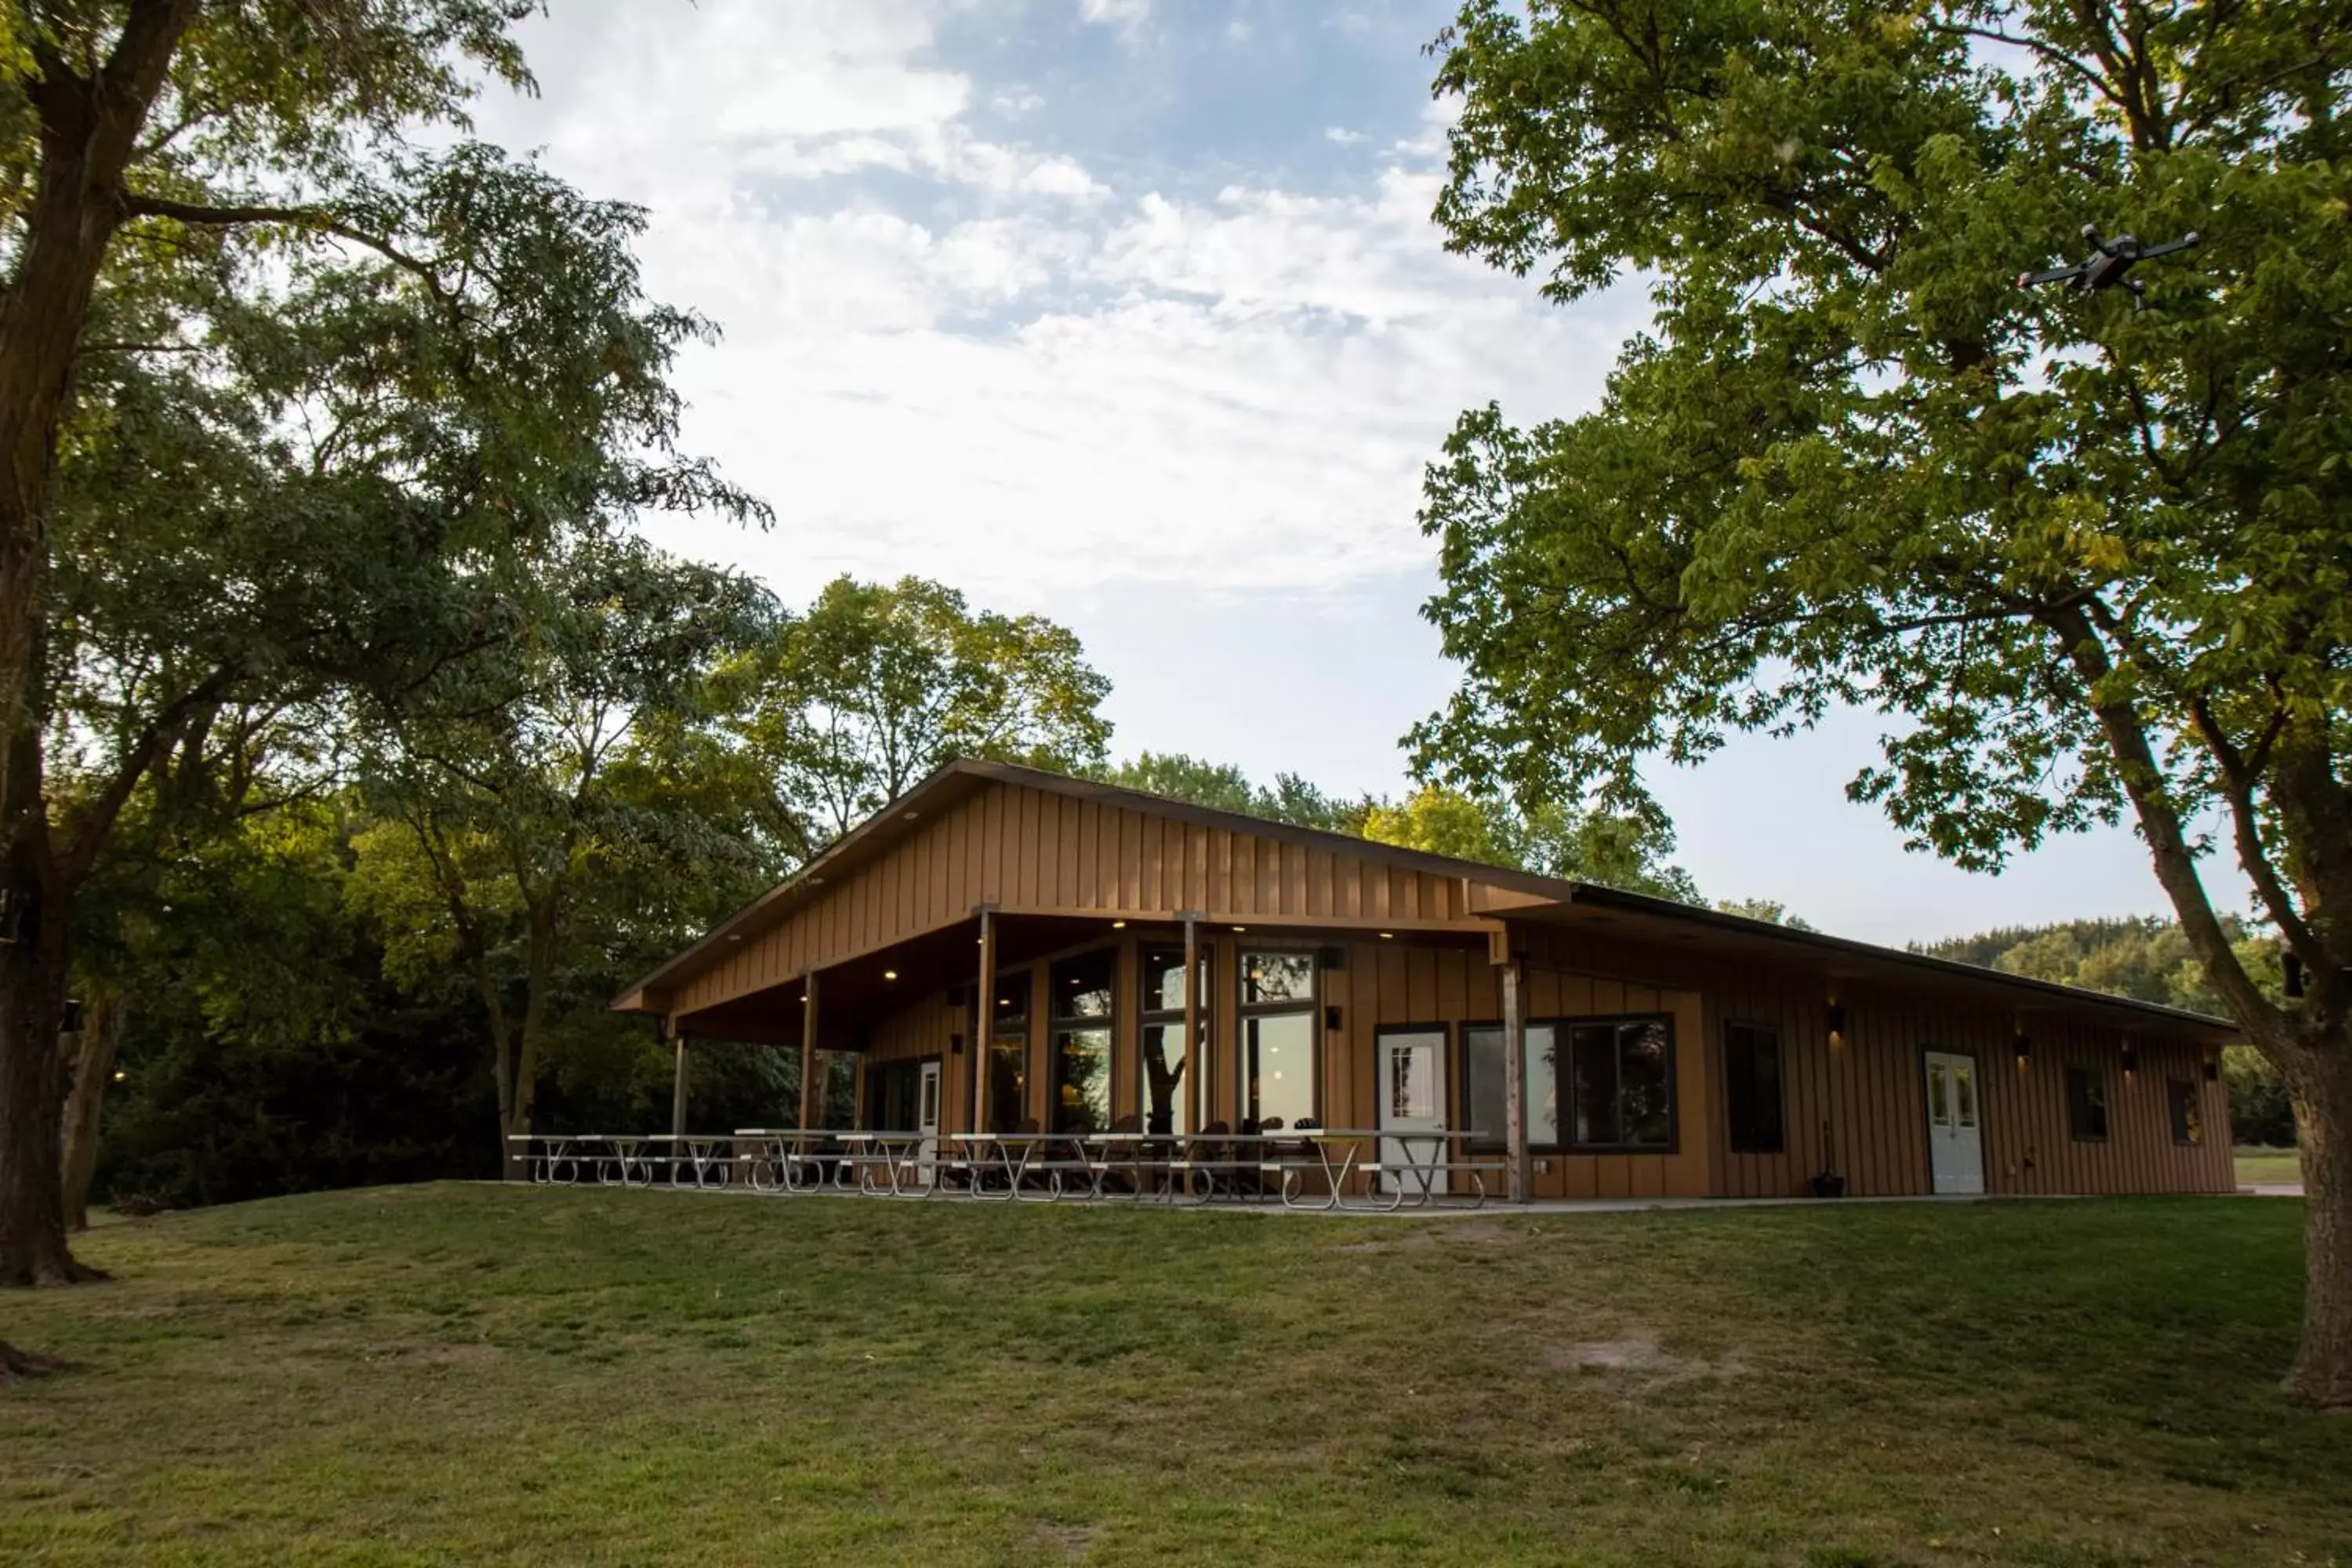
(1004, 949)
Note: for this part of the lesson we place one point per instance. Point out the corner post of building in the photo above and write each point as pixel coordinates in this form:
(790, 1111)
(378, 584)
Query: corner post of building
(808, 1049)
(1514, 1077)
(678, 1082)
(983, 1032)
(1193, 1098)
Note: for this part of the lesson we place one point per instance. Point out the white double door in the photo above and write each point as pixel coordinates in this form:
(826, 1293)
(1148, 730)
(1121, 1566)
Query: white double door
(1955, 1123)
(1413, 1101)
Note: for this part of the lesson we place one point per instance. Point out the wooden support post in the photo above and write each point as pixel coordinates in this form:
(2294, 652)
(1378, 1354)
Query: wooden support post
(983, 1034)
(677, 1087)
(1193, 1121)
(1515, 1083)
(808, 1050)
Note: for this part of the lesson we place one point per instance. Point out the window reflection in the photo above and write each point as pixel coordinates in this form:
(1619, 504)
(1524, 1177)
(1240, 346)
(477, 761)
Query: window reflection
(1164, 1098)
(1008, 1053)
(1279, 1055)
(1080, 1077)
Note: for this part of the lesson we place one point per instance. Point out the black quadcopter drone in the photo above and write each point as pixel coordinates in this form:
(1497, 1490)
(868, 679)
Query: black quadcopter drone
(2106, 265)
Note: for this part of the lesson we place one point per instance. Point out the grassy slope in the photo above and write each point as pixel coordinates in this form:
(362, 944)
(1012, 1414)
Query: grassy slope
(2269, 1165)
(467, 1374)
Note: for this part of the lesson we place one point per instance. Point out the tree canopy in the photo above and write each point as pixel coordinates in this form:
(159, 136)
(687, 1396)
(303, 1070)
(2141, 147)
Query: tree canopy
(2085, 560)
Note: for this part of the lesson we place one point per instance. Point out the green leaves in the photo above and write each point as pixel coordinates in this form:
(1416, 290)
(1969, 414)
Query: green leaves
(876, 685)
(2079, 556)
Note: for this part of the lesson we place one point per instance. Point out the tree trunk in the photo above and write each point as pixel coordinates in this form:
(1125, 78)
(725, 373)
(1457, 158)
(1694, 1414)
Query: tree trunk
(87, 128)
(2320, 1079)
(93, 1068)
(33, 1248)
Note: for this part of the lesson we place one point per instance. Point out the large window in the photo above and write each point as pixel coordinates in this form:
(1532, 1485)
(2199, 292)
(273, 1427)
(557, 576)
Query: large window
(1008, 1053)
(1163, 1099)
(1486, 1089)
(1602, 1084)
(2086, 1104)
(1278, 1037)
(1080, 1079)
(2187, 1115)
(1752, 1080)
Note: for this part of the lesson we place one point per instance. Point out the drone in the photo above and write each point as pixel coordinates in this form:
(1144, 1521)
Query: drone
(2106, 265)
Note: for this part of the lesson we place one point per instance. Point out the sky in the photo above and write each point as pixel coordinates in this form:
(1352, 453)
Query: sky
(1130, 313)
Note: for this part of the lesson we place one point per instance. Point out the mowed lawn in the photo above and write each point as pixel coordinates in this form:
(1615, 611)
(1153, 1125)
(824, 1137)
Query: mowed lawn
(468, 1374)
(2268, 1167)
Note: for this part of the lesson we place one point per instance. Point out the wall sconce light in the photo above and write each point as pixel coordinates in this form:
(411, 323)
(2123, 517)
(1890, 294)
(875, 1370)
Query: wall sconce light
(955, 1044)
(2293, 967)
(1837, 1023)
(69, 1017)
(2213, 1069)
(2024, 1047)
(1332, 1019)
(2131, 1059)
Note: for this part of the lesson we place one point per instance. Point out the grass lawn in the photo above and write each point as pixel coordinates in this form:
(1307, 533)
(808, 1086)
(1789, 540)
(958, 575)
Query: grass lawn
(2268, 1165)
(465, 1375)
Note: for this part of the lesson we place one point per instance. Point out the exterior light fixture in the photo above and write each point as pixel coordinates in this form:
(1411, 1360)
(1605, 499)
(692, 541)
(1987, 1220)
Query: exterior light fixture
(1388, 936)
(1241, 928)
(121, 1077)
(890, 975)
(2212, 1068)
(1836, 1016)
(734, 936)
(1118, 925)
(907, 815)
(2131, 1059)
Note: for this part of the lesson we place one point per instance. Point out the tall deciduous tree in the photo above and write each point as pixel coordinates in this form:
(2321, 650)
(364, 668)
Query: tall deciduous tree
(877, 684)
(2088, 561)
(274, 387)
(537, 798)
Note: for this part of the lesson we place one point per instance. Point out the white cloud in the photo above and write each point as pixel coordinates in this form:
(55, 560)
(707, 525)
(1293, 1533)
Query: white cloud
(1342, 135)
(1040, 382)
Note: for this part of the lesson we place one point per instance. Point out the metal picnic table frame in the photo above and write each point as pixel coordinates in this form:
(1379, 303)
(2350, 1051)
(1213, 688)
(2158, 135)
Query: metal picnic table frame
(1285, 1164)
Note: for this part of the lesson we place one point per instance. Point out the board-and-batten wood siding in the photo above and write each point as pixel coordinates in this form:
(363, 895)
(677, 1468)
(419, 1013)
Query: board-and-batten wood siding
(1870, 1088)
(1035, 851)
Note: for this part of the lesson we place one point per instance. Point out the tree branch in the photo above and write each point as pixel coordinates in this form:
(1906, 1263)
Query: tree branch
(315, 219)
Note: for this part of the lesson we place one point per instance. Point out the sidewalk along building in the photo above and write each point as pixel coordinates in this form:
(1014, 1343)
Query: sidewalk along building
(1004, 949)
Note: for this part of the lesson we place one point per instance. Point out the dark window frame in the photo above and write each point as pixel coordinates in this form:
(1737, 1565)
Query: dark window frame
(1245, 1010)
(1501, 1140)
(1780, 1136)
(1059, 1024)
(2185, 1112)
(1563, 1027)
(2094, 1078)
(1187, 1094)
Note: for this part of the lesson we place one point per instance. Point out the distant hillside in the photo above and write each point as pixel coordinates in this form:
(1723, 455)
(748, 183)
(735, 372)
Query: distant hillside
(2148, 960)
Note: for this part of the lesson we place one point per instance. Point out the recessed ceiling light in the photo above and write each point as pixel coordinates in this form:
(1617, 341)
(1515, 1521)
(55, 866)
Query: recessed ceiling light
(908, 814)
(1388, 936)
(1241, 928)
(734, 936)
(890, 975)
(1118, 925)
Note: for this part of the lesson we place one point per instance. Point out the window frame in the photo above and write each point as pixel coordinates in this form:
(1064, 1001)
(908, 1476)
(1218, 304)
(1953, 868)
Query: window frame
(1780, 1087)
(1059, 1024)
(1187, 1093)
(2095, 1077)
(1501, 1142)
(2184, 1112)
(1311, 1008)
(1562, 1027)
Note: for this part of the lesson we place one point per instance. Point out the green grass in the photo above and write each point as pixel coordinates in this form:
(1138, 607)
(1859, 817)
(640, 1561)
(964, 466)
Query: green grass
(2268, 1166)
(461, 1374)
